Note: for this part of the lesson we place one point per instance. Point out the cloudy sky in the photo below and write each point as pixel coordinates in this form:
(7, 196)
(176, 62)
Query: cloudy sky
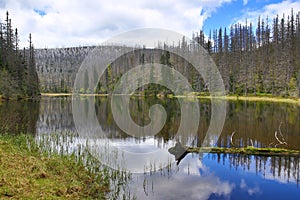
(63, 23)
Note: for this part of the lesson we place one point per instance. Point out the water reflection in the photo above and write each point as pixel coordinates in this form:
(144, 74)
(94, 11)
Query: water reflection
(55, 115)
(19, 116)
(283, 169)
(217, 176)
(258, 121)
(251, 121)
(220, 176)
(192, 179)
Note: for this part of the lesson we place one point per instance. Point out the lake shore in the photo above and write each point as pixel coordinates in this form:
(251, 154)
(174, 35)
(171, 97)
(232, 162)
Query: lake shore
(228, 97)
(25, 173)
(256, 98)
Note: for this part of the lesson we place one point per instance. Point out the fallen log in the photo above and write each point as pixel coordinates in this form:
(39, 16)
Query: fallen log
(246, 151)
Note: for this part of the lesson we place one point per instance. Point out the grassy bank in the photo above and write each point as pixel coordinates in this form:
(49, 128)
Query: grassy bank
(27, 173)
(69, 94)
(260, 98)
(267, 98)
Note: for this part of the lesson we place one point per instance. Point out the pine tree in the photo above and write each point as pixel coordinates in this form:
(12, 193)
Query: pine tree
(18, 77)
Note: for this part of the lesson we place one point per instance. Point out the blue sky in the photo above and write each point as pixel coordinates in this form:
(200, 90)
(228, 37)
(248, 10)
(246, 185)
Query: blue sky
(62, 23)
(238, 11)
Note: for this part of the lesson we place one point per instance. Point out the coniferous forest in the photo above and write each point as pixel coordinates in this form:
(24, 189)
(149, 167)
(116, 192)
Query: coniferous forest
(253, 60)
(114, 122)
(18, 74)
(260, 59)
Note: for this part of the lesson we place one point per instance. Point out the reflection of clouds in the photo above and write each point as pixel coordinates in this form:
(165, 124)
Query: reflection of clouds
(250, 191)
(194, 168)
(193, 180)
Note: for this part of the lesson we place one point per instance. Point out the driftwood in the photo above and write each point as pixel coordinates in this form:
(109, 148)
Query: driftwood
(179, 151)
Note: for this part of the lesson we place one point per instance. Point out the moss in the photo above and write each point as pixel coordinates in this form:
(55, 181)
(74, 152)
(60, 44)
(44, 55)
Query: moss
(26, 174)
(255, 98)
(246, 150)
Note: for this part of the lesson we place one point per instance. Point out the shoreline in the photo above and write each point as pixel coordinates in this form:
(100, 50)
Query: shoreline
(227, 97)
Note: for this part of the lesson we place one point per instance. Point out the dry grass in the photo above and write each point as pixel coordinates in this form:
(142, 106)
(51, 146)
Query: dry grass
(194, 94)
(69, 94)
(56, 94)
(256, 98)
(270, 99)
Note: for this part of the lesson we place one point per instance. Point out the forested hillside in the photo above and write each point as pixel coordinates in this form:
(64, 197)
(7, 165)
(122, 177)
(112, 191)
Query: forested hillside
(18, 77)
(57, 67)
(252, 60)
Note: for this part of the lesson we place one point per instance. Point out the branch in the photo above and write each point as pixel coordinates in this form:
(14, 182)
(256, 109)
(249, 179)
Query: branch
(251, 142)
(280, 142)
(281, 132)
(231, 139)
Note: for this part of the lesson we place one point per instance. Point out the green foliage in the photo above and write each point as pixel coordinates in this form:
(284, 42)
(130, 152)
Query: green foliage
(17, 68)
(293, 87)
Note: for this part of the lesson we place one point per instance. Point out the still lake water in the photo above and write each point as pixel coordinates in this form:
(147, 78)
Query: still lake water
(209, 176)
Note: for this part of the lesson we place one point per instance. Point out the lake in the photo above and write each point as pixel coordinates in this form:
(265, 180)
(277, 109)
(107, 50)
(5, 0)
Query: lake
(196, 176)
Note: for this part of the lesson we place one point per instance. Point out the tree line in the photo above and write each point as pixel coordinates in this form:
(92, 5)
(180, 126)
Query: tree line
(265, 59)
(261, 60)
(253, 60)
(18, 77)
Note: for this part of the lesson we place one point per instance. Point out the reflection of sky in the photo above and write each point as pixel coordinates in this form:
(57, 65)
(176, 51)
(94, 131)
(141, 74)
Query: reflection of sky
(191, 180)
(146, 145)
(199, 179)
(251, 184)
(208, 179)
(267, 174)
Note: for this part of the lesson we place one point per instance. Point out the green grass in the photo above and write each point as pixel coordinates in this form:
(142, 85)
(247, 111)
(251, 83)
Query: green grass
(27, 173)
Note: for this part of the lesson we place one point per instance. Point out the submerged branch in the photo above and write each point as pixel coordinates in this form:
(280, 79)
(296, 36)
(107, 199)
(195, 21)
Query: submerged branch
(231, 139)
(283, 142)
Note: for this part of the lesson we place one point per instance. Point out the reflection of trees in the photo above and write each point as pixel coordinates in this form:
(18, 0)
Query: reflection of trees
(55, 115)
(250, 120)
(18, 116)
(282, 168)
(139, 110)
(254, 120)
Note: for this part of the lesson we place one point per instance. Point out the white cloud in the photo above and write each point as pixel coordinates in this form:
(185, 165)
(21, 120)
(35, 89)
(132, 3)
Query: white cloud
(270, 11)
(245, 2)
(250, 191)
(76, 22)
